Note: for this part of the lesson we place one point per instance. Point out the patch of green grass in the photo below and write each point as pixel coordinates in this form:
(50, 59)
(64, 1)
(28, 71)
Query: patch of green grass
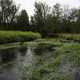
(17, 36)
(67, 36)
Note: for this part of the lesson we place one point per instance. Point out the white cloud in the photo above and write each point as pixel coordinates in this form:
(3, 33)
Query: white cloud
(29, 4)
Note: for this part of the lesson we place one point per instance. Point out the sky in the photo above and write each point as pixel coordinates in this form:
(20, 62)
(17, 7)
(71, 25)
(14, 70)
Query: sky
(29, 4)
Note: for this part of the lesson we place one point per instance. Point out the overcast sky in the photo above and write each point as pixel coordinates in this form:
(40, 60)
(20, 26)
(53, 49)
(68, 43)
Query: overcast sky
(29, 4)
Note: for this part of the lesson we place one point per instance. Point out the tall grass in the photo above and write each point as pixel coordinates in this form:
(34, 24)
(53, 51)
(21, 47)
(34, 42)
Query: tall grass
(17, 36)
(70, 36)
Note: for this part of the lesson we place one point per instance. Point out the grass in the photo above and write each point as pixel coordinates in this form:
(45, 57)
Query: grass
(17, 36)
(67, 36)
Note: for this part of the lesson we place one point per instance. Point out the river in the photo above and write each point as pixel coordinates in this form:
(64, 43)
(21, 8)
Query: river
(13, 61)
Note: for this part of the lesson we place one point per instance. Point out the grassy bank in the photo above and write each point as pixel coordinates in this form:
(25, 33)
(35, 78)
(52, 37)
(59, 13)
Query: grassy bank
(66, 36)
(70, 36)
(17, 36)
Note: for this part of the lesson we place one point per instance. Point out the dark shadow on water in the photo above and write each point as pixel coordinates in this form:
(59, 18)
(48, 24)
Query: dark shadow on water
(7, 55)
(10, 62)
(44, 48)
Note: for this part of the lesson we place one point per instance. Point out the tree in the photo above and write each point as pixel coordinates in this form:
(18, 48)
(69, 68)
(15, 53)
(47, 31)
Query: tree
(57, 10)
(78, 21)
(50, 24)
(40, 17)
(8, 11)
(23, 20)
(59, 20)
(70, 21)
(57, 17)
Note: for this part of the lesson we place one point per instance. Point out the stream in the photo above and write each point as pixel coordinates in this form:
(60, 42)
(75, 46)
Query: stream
(45, 62)
(12, 61)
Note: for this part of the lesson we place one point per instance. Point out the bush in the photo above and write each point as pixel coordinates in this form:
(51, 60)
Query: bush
(17, 36)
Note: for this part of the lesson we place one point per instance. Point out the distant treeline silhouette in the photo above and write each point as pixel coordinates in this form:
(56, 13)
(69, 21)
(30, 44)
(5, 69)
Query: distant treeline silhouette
(45, 20)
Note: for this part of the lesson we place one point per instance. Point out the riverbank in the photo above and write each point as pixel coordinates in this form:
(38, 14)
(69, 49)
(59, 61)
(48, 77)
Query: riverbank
(17, 36)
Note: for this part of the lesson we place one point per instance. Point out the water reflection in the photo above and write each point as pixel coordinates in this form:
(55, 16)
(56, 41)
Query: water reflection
(17, 63)
(10, 60)
(7, 55)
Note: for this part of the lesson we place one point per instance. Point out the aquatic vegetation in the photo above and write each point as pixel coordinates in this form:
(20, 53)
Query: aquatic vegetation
(61, 64)
(53, 60)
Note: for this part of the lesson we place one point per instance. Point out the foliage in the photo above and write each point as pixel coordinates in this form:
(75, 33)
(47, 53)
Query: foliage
(40, 17)
(57, 19)
(8, 11)
(23, 20)
(46, 20)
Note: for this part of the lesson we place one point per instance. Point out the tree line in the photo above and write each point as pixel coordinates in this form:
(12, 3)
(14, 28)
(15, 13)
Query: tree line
(45, 20)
